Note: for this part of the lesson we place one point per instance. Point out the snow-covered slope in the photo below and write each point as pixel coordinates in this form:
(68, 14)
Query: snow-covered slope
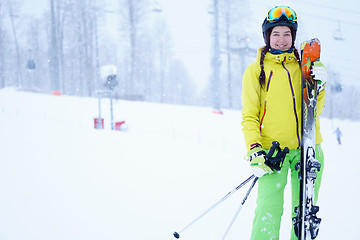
(62, 179)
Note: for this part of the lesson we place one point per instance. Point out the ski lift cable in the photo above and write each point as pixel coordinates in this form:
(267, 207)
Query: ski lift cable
(329, 7)
(345, 76)
(348, 75)
(344, 59)
(332, 19)
(312, 4)
(317, 16)
(348, 68)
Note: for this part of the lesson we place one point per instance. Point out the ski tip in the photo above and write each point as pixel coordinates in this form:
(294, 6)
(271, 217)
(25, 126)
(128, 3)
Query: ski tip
(310, 42)
(310, 52)
(312, 48)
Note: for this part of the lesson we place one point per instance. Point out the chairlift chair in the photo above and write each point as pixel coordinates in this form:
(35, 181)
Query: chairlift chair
(338, 33)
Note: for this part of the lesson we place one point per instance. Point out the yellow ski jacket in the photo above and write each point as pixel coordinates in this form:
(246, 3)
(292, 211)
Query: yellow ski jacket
(273, 112)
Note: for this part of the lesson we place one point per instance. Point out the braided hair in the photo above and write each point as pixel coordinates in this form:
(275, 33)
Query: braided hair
(262, 76)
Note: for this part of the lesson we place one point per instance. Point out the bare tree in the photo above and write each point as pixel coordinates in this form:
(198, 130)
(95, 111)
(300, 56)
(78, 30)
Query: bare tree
(62, 9)
(227, 21)
(181, 88)
(216, 59)
(12, 16)
(77, 35)
(65, 45)
(163, 48)
(233, 28)
(2, 45)
(133, 14)
(54, 49)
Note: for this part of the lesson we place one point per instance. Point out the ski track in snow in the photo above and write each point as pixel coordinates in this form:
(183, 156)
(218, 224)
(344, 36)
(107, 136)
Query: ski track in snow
(62, 179)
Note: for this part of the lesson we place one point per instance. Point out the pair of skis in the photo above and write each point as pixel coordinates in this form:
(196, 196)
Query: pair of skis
(306, 223)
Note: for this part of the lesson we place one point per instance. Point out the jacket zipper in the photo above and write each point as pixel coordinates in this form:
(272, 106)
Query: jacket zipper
(293, 96)
(267, 89)
(262, 119)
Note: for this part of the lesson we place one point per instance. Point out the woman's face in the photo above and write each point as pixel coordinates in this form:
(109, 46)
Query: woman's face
(280, 38)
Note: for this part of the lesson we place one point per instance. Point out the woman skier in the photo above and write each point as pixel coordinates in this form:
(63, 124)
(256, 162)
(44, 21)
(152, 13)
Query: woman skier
(271, 98)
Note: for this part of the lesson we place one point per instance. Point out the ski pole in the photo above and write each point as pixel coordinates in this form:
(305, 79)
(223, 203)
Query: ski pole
(177, 234)
(241, 205)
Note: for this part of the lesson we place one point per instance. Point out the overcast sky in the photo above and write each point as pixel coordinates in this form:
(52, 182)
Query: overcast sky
(189, 24)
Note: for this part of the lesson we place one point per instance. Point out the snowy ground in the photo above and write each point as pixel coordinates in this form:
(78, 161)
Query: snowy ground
(62, 179)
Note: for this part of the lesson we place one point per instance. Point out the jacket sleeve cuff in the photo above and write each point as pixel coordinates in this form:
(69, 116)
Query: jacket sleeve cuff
(254, 145)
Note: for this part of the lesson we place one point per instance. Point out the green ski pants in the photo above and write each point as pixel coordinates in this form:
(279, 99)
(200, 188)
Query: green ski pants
(270, 200)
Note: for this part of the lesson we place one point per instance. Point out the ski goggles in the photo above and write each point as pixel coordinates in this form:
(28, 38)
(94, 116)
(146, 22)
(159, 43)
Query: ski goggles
(279, 11)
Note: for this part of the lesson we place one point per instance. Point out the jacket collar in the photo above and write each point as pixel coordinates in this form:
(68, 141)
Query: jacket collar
(277, 58)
